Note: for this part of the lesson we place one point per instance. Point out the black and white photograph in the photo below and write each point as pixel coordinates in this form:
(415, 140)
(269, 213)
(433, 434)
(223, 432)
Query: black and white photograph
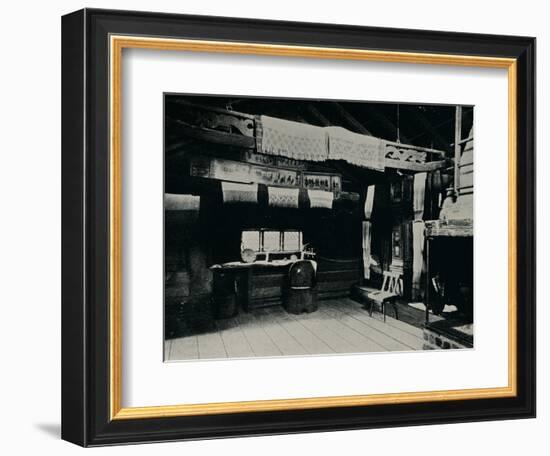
(301, 227)
(256, 228)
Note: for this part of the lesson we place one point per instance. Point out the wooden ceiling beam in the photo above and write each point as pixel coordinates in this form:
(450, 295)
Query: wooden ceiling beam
(318, 115)
(388, 123)
(214, 136)
(438, 137)
(416, 167)
(350, 119)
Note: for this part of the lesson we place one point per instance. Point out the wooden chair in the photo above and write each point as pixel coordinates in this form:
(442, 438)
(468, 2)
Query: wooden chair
(392, 287)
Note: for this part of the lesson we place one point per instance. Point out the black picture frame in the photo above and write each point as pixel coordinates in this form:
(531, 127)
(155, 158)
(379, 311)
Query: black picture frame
(85, 228)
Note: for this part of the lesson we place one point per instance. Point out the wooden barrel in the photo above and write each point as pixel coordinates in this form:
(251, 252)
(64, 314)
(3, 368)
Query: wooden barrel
(224, 294)
(224, 282)
(301, 300)
(302, 294)
(225, 306)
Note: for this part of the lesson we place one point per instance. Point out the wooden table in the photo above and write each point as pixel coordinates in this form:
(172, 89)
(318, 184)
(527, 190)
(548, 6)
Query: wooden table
(258, 284)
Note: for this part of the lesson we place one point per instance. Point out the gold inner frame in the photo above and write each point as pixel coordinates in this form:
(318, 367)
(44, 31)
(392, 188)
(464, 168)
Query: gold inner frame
(117, 44)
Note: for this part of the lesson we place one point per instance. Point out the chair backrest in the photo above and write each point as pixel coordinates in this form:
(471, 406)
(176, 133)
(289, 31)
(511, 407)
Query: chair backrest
(393, 283)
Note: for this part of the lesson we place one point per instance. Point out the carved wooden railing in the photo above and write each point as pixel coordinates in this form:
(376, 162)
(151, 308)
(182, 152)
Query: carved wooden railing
(239, 129)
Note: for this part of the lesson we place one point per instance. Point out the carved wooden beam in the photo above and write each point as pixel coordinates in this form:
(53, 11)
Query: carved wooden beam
(212, 118)
(398, 155)
(196, 106)
(214, 136)
(416, 167)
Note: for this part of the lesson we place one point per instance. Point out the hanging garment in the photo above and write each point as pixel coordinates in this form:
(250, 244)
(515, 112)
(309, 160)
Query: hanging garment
(360, 150)
(320, 199)
(366, 248)
(283, 197)
(418, 195)
(419, 191)
(239, 193)
(369, 201)
(418, 256)
(295, 140)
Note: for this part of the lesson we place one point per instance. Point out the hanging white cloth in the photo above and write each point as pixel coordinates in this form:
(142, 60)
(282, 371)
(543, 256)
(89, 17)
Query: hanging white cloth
(283, 196)
(418, 195)
(418, 232)
(239, 193)
(369, 201)
(360, 150)
(296, 140)
(418, 255)
(176, 202)
(366, 248)
(320, 199)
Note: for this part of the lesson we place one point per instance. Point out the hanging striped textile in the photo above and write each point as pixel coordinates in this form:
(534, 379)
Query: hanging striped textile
(239, 193)
(283, 197)
(356, 149)
(320, 199)
(295, 140)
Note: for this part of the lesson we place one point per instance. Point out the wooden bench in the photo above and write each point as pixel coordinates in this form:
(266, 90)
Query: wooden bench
(392, 288)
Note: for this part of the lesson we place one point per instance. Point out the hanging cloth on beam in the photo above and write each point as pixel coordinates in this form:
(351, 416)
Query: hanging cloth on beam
(320, 199)
(239, 193)
(367, 225)
(418, 257)
(369, 201)
(295, 140)
(283, 197)
(418, 233)
(356, 149)
(366, 238)
(418, 196)
(176, 202)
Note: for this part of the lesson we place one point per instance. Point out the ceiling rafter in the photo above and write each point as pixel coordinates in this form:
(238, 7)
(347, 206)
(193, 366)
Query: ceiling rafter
(437, 136)
(318, 115)
(350, 119)
(387, 122)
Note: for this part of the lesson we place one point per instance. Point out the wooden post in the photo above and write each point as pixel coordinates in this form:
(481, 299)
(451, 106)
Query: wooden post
(457, 146)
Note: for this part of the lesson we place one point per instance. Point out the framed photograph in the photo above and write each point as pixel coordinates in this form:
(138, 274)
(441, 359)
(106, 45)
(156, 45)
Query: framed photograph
(278, 227)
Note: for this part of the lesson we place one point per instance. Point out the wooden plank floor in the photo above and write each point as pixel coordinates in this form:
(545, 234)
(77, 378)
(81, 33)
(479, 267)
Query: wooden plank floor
(338, 326)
